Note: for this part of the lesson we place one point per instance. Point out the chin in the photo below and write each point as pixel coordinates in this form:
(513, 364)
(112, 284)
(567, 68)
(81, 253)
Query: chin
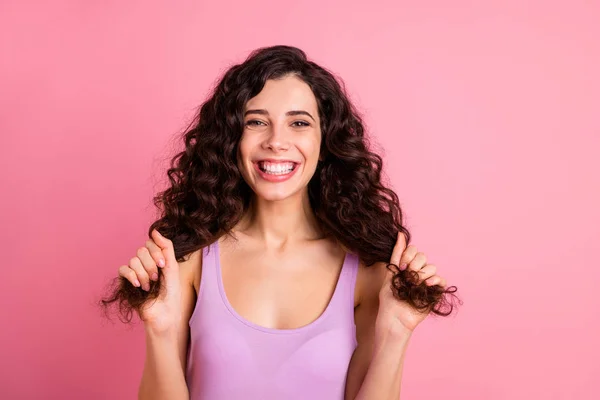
(274, 194)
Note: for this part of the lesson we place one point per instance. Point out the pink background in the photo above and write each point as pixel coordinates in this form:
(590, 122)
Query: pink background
(488, 115)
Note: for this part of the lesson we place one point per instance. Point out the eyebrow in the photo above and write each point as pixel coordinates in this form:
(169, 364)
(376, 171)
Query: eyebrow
(265, 112)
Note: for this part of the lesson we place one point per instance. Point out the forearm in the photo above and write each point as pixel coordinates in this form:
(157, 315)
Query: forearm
(384, 375)
(163, 376)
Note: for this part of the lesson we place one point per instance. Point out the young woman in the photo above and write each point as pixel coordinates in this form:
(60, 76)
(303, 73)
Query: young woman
(279, 268)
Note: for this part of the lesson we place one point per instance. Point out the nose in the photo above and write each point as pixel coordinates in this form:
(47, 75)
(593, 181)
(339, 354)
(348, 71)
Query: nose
(277, 138)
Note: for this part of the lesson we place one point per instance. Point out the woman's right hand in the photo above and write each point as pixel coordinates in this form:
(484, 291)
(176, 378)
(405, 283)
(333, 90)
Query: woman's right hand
(162, 314)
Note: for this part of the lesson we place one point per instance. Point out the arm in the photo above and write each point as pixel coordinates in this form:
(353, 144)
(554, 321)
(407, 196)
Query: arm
(375, 371)
(384, 375)
(166, 353)
(385, 325)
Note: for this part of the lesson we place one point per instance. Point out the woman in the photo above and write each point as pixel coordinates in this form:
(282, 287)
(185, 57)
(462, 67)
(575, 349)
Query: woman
(279, 268)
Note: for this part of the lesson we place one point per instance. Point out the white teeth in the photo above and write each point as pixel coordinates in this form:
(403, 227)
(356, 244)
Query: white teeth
(276, 168)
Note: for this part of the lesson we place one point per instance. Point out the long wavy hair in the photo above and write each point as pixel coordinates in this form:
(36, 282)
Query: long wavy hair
(208, 195)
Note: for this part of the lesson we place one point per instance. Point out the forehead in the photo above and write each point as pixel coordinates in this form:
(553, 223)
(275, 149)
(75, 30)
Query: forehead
(282, 95)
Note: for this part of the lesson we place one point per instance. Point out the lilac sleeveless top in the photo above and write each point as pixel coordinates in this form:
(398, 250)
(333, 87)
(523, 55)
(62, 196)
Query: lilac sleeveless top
(232, 358)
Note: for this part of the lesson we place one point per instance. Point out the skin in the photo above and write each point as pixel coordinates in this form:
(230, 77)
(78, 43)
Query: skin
(288, 264)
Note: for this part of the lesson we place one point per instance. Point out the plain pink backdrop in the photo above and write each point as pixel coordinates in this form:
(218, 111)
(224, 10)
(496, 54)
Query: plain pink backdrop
(487, 114)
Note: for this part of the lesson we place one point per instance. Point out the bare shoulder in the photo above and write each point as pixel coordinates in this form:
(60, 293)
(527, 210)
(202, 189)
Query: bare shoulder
(368, 282)
(190, 269)
(189, 273)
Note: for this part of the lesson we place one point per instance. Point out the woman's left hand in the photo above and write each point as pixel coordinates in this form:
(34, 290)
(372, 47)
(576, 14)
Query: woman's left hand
(398, 317)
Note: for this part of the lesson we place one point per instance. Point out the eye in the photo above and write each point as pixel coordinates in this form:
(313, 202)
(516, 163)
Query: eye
(302, 123)
(254, 122)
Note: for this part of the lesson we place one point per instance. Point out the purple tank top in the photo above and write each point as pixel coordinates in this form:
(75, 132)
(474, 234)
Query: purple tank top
(232, 358)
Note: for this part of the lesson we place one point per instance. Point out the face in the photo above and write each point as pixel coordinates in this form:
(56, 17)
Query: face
(279, 148)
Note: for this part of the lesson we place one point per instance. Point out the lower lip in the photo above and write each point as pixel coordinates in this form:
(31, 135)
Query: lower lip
(276, 178)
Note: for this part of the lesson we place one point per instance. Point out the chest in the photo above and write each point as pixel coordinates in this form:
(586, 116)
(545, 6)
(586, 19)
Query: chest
(280, 290)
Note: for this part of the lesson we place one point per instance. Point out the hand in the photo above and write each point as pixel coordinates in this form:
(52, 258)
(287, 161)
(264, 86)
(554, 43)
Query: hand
(160, 314)
(398, 317)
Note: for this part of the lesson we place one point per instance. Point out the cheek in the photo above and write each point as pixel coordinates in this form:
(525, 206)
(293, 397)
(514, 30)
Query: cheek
(243, 151)
(311, 149)
(242, 157)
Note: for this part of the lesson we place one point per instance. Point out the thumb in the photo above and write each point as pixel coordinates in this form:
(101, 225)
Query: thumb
(397, 252)
(399, 248)
(171, 268)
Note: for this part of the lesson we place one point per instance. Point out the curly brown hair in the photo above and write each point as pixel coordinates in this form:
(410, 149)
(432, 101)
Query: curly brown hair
(208, 194)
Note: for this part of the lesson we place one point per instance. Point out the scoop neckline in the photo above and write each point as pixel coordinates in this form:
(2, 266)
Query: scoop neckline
(265, 329)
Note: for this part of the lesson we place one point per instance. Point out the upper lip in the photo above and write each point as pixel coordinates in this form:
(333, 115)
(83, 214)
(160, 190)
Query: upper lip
(275, 160)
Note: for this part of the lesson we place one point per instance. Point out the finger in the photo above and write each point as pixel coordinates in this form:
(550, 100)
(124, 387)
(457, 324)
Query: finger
(427, 272)
(129, 274)
(136, 265)
(171, 269)
(436, 280)
(407, 257)
(148, 262)
(418, 262)
(156, 253)
(399, 248)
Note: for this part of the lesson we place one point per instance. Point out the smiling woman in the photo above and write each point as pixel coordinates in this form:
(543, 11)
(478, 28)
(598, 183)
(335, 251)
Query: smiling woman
(280, 267)
(281, 138)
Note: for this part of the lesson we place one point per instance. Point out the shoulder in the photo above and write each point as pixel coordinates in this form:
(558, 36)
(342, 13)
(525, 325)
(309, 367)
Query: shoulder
(368, 282)
(190, 268)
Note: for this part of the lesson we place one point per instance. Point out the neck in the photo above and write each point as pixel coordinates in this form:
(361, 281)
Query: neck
(281, 222)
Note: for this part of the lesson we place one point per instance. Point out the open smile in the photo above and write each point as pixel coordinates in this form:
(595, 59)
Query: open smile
(276, 171)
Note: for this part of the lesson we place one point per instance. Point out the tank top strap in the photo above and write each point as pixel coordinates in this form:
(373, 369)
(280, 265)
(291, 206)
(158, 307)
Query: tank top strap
(208, 279)
(343, 299)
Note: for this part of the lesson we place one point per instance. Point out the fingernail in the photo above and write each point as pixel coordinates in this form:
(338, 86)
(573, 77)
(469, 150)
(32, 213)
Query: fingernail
(154, 276)
(146, 287)
(161, 262)
(136, 283)
(403, 266)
